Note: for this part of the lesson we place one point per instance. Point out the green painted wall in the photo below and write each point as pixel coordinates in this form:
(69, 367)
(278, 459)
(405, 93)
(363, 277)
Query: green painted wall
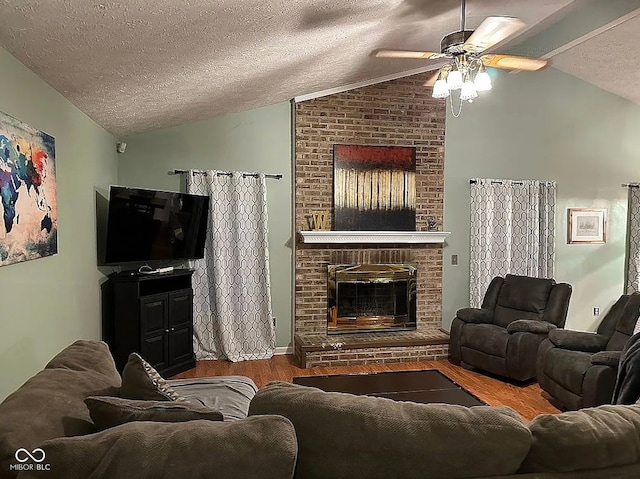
(49, 302)
(551, 126)
(255, 140)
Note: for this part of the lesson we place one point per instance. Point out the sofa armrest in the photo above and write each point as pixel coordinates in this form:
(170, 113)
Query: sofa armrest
(578, 340)
(475, 315)
(607, 358)
(530, 326)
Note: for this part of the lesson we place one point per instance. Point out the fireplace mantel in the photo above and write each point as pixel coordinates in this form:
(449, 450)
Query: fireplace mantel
(377, 237)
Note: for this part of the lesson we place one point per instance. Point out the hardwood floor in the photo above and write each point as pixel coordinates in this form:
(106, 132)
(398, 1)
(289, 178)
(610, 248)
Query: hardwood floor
(526, 399)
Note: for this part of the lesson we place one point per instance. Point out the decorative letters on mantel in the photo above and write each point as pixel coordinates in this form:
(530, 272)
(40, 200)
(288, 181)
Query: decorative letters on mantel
(378, 237)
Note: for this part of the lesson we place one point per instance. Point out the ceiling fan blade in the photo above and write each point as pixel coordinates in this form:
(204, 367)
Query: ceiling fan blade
(513, 62)
(382, 53)
(491, 31)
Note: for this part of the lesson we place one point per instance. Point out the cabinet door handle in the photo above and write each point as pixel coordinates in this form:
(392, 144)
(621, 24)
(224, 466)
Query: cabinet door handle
(173, 329)
(166, 330)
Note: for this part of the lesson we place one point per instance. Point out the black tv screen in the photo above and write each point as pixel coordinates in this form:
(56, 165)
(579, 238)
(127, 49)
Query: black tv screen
(147, 225)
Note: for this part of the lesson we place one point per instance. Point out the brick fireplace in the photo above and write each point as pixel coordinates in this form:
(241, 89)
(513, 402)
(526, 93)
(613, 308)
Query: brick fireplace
(371, 297)
(399, 112)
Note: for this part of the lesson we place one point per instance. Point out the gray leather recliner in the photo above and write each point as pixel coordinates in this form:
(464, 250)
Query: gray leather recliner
(578, 369)
(502, 337)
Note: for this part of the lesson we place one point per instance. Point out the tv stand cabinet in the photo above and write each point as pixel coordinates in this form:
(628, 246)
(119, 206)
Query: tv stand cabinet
(151, 315)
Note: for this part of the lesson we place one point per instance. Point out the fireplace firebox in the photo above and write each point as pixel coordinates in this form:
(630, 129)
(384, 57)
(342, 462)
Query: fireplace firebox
(371, 297)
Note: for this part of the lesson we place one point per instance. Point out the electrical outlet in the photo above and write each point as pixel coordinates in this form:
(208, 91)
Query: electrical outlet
(596, 311)
(454, 259)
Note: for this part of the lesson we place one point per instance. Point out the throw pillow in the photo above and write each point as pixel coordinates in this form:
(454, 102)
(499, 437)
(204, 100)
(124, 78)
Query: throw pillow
(109, 411)
(141, 381)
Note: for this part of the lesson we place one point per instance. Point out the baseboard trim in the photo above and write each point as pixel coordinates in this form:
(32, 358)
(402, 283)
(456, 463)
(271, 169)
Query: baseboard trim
(284, 350)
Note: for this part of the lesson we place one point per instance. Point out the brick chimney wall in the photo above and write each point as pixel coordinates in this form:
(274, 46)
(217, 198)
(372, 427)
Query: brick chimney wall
(398, 112)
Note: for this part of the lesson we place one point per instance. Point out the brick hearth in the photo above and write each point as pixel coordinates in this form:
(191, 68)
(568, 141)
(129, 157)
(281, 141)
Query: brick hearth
(400, 112)
(313, 350)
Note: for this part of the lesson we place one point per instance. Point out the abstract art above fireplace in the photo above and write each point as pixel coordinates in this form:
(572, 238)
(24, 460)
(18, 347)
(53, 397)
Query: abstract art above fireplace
(374, 188)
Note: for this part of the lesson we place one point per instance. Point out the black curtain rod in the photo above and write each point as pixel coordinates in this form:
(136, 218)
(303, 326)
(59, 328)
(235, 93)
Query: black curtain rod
(224, 173)
(499, 182)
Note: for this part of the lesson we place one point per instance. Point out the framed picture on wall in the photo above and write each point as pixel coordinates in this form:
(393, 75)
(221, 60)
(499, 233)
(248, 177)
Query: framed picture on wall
(587, 225)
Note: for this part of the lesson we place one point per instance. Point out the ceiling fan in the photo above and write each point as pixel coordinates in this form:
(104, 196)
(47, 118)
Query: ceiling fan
(465, 51)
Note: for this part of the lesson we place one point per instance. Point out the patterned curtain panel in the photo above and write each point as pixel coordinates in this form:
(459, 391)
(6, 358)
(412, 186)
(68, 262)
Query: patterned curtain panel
(633, 241)
(512, 231)
(232, 292)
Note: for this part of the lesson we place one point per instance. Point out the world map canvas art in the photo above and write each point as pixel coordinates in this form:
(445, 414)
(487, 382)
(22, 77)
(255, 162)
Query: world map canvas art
(28, 192)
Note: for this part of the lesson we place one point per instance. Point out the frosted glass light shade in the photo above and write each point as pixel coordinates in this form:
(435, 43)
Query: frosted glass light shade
(482, 81)
(454, 80)
(440, 89)
(468, 91)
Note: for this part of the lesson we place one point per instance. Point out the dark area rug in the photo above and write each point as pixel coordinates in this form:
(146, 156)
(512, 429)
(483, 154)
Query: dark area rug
(430, 386)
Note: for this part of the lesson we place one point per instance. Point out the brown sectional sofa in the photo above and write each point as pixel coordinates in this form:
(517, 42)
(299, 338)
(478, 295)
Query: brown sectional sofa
(300, 432)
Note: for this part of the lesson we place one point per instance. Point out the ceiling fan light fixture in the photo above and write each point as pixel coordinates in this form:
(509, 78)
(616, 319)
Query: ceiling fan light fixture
(440, 87)
(482, 81)
(454, 79)
(468, 60)
(468, 91)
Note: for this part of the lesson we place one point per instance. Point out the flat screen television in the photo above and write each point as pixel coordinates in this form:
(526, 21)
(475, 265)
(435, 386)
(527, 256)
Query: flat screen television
(148, 225)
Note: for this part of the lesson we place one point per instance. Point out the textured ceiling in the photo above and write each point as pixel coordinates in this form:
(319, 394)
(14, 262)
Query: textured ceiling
(136, 65)
(609, 60)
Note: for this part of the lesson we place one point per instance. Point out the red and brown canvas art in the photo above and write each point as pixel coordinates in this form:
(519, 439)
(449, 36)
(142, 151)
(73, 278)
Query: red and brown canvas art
(374, 188)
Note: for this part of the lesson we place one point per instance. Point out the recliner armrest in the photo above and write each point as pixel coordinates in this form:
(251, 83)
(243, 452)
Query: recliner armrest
(607, 358)
(530, 326)
(475, 315)
(578, 340)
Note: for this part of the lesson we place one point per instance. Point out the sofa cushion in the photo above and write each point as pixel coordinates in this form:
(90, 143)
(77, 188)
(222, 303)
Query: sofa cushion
(346, 436)
(503, 316)
(140, 380)
(254, 448)
(525, 293)
(108, 411)
(51, 403)
(626, 324)
(593, 438)
(522, 297)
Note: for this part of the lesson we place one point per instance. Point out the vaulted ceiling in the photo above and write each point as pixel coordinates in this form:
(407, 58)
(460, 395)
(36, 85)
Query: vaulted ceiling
(135, 65)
